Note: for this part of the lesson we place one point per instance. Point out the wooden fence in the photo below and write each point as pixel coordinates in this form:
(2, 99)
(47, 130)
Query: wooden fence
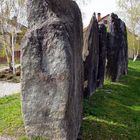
(3, 60)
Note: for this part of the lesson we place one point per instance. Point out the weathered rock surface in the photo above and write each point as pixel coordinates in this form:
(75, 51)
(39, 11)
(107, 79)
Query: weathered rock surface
(102, 55)
(117, 49)
(91, 56)
(125, 49)
(52, 70)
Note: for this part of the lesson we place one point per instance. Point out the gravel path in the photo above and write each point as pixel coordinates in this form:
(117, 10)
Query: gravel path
(7, 88)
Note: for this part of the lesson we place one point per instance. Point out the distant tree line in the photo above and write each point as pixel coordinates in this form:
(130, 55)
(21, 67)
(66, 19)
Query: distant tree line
(130, 11)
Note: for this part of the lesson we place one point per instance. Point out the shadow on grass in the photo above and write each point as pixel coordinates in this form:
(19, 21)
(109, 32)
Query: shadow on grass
(113, 113)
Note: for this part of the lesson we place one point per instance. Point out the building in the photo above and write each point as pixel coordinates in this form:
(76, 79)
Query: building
(106, 20)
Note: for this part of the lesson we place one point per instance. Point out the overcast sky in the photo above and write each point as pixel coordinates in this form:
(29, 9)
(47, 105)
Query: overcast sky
(88, 7)
(99, 6)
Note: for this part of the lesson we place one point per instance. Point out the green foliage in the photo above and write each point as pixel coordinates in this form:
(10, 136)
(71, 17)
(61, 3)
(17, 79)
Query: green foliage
(2, 51)
(114, 111)
(130, 10)
(133, 43)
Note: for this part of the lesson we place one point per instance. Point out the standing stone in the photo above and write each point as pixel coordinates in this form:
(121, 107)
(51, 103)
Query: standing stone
(52, 70)
(125, 49)
(91, 56)
(102, 55)
(113, 49)
(117, 49)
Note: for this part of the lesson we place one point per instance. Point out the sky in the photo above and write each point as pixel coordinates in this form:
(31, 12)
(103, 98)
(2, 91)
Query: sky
(88, 7)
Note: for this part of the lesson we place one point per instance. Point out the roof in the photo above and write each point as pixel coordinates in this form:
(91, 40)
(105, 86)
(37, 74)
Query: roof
(98, 21)
(103, 18)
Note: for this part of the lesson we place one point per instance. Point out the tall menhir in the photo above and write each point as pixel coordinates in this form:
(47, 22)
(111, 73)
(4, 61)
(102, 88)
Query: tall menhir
(52, 70)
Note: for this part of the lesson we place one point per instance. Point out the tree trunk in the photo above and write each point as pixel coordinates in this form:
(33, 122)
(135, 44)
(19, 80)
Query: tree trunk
(7, 52)
(7, 56)
(13, 54)
(135, 56)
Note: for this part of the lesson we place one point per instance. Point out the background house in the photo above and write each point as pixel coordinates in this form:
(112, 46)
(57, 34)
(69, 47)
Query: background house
(132, 38)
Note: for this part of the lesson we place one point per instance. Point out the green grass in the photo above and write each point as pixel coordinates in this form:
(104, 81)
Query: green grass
(113, 113)
(11, 123)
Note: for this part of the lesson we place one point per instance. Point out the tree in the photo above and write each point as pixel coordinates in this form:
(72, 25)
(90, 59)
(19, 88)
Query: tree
(4, 13)
(10, 8)
(130, 11)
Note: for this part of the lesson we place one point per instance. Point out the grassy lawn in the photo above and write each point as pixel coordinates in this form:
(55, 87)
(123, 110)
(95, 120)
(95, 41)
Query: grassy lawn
(113, 113)
(11, 123)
